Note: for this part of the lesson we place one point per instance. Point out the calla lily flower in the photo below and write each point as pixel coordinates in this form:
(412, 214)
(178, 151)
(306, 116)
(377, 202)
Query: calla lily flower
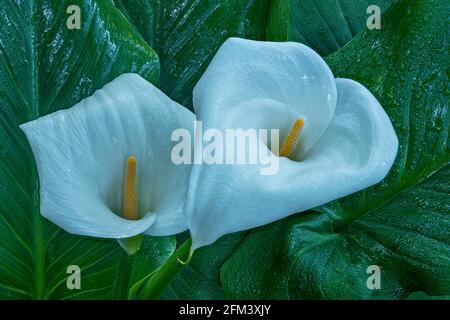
(105, 166)
(337, 137)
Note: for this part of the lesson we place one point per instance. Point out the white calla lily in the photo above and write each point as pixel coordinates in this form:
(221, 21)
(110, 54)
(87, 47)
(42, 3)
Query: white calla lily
(346, 142)
(81, 155)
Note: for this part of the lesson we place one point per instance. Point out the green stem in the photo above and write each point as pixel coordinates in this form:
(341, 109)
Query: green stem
(164, 275)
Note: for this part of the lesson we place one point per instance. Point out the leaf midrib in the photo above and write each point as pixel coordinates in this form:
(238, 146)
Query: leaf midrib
(38, 252)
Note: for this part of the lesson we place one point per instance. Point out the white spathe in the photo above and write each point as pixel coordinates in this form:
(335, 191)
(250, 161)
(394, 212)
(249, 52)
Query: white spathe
(348, 142)
(81, 155)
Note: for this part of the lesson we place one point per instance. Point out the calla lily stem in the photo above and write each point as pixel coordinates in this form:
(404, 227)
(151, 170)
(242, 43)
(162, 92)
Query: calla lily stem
(164, 275)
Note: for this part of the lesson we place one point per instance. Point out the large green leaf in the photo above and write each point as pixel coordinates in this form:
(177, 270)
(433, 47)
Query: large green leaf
(107, 272)
(187, 34)
(324, 25)
(402, 224)
(45, 67)
(200, 279)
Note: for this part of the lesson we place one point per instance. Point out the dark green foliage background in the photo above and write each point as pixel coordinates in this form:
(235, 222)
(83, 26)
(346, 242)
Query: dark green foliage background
(402, 224)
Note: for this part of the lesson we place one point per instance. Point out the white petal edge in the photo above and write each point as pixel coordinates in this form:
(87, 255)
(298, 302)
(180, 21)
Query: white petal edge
(81, 152)
(253, 76)
(357, 151)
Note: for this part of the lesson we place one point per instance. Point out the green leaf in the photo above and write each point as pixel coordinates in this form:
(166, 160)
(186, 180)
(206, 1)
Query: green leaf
(187, 34)
(107, 271)
(401, 224)
(324, 25)
(200, 278)
(45, 67)
(305, 258)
